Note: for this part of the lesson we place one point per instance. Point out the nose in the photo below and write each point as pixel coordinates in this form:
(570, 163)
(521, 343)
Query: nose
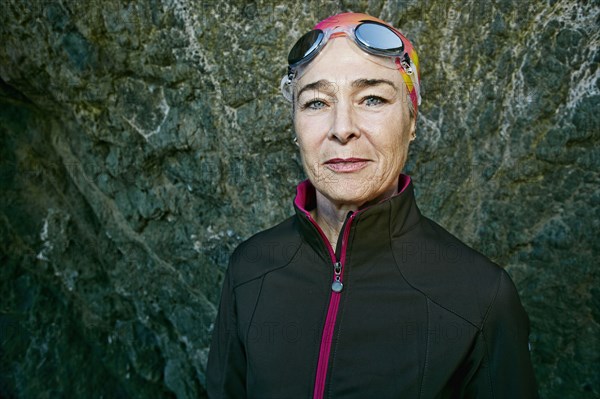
(343, 126)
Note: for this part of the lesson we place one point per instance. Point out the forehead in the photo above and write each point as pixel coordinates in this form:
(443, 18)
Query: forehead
(341, 61)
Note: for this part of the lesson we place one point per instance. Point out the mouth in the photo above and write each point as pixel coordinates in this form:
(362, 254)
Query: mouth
(346, 165)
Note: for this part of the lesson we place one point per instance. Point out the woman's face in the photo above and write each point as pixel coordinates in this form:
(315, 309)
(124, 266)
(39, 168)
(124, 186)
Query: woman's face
(351, 117)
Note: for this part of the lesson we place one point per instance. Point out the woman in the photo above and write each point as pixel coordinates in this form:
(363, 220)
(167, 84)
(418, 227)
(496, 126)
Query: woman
(358, 295)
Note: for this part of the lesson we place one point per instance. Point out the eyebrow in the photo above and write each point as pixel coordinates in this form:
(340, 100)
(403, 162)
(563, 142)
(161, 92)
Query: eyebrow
(318, 85)
(362, 83)
(321, 85)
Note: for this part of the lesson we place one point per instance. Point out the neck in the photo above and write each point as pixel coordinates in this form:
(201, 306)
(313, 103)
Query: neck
(330, 216)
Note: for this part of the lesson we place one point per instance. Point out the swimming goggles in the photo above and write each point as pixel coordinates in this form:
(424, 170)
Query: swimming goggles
(371, 36)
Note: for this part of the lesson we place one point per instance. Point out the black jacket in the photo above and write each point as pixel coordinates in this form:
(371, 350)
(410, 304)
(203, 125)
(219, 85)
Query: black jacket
(420, 315)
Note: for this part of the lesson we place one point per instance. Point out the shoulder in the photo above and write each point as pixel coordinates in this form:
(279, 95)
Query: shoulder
(449, 272)
(265, 251)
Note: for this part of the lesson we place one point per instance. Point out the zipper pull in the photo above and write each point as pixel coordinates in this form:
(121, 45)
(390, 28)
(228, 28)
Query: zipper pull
(337, 285)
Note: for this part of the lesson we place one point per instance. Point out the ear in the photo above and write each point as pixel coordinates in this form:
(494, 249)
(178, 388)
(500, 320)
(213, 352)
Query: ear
(413, 128)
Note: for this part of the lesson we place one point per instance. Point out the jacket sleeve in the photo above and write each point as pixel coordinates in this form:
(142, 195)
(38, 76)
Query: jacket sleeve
(226, 369)
(504, 369)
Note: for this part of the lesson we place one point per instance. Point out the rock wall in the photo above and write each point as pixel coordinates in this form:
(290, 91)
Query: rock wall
(141, 141)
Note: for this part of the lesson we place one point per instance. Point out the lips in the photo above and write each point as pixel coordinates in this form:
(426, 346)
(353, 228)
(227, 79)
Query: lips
(346, 165)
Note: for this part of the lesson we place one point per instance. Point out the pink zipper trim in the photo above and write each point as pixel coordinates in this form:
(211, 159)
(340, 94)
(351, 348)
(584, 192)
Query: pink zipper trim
(327, 336)
(334, 303)
(334, 299)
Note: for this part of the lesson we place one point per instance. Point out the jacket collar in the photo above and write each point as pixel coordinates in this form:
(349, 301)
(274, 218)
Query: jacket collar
(372, 227)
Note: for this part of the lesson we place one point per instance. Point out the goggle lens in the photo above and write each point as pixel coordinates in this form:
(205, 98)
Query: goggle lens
(379, 38)
(306, 46)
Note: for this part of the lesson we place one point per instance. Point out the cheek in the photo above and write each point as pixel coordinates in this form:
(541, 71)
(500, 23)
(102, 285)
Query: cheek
(396, 145)
(396, 134)
(301, 128)
(308, 154)
(310, 136)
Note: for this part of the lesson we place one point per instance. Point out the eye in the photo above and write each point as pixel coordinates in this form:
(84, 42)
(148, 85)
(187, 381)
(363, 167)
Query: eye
(371, 101)
(313, 104)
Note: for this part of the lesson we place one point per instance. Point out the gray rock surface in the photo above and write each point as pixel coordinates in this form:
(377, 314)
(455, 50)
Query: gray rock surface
(141, 141)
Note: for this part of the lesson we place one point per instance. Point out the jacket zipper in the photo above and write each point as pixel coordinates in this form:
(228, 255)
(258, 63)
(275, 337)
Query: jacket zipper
(334, 302)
